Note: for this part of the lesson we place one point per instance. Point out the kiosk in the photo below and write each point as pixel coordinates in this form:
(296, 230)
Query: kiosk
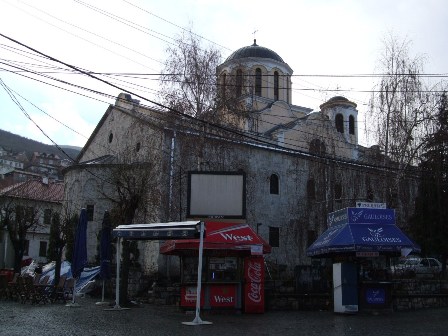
(361, 239)
(233, 267)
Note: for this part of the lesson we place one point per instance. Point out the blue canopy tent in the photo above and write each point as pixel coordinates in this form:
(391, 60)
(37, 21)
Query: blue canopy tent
(362, 230)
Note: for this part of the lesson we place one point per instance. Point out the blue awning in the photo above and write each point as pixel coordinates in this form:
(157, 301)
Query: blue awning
(374, 237)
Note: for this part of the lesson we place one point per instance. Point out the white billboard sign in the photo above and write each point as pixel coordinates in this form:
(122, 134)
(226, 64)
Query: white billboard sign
(216, 195)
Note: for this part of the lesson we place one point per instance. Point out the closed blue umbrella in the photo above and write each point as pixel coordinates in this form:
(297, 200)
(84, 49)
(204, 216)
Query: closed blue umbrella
(105, 248)
(105, 252)
(79, 260)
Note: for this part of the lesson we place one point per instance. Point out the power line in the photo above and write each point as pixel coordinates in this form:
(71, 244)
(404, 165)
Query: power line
(226, 129)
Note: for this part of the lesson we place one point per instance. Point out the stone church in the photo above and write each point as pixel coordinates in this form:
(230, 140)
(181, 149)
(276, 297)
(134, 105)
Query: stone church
(300, 164)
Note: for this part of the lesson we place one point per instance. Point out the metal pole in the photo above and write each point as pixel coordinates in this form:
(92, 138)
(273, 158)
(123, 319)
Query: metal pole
(117, 282)
(197, 320)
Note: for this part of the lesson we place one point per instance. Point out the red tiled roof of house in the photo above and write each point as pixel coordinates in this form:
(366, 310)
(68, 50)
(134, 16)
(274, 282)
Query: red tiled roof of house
(36, 190)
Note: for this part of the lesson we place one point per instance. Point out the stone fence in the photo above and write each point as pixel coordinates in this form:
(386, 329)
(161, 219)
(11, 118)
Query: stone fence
(418, 293)
(406, 295)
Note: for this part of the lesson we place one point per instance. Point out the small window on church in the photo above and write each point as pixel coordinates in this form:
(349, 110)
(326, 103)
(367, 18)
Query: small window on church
(137, 147)
(317, 147)
(258, 82)
(276, 89)
(311, 237)
(273, 185)
(310, 189)
(339, 123)
(338, 191)
(111, 137)
(351, 124)
(239, 82)
(274, 236)
(90, 210)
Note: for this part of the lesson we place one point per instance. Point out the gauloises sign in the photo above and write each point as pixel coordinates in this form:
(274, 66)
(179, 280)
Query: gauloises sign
(361, 216)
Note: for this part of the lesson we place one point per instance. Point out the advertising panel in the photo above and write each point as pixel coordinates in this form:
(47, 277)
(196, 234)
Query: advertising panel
(223, 296)
(188, 296)
(254, 285)
(361, 216)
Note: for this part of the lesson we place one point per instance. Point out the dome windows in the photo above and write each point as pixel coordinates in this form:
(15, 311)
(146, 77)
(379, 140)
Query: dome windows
(239, 82)
(258, 82)
(339, 120)
(351, 125)
(276, 87)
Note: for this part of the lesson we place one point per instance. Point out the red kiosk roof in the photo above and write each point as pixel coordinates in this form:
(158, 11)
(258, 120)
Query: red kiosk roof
(237, 237)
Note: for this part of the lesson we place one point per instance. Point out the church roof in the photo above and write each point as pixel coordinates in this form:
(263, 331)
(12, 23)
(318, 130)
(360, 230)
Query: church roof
(254, 50)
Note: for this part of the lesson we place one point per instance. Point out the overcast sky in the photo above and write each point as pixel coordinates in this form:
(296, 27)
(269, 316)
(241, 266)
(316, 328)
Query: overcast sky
(130, 36)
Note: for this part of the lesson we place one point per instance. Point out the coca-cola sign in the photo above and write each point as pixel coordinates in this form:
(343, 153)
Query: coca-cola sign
(254, 287)
(254, 271)
(254, 293)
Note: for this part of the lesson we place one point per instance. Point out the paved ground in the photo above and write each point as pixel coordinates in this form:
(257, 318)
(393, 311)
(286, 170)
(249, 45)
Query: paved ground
(92, 320)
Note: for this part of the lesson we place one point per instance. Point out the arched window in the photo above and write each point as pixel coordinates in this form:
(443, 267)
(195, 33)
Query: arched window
(310, 189)
(317, 147)
(276, 85)
(258, 82)
(223, 85)
(370, 195)
(351, 124)
(339, 123)
(239, 82)
(273, 185)
(338, 191)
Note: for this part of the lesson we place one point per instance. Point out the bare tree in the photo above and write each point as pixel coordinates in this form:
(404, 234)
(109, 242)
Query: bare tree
(18, 218)
(62, 231)
(188, 82)
(135, 196)
(402, 109)
(400, 106)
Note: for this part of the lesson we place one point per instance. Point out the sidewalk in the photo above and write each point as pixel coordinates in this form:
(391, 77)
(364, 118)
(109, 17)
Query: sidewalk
(92, 320)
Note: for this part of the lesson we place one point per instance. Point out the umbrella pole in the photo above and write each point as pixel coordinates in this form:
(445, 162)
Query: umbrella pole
(102, 302)
(102, 293)
(73, 304)
(117, 282)
(197, 320)
(73, 296)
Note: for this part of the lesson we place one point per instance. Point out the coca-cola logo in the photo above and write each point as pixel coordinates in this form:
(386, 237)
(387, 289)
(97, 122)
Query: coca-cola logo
(254, 271)
(254, 274)
(254, 293)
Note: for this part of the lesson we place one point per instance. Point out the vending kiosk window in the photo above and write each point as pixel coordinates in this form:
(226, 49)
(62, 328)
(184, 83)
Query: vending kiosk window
(223, 269)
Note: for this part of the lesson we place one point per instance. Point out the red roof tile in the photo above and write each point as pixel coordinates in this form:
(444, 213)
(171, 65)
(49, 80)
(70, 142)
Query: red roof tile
(36, 190)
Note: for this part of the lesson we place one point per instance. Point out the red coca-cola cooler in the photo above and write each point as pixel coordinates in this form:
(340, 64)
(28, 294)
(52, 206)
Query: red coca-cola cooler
(254, 284)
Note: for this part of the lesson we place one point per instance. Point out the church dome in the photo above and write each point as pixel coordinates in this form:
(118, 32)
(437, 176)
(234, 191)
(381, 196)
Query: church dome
(256, 51)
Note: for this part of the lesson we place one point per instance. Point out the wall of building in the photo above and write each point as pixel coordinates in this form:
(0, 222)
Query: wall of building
(309, 186)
